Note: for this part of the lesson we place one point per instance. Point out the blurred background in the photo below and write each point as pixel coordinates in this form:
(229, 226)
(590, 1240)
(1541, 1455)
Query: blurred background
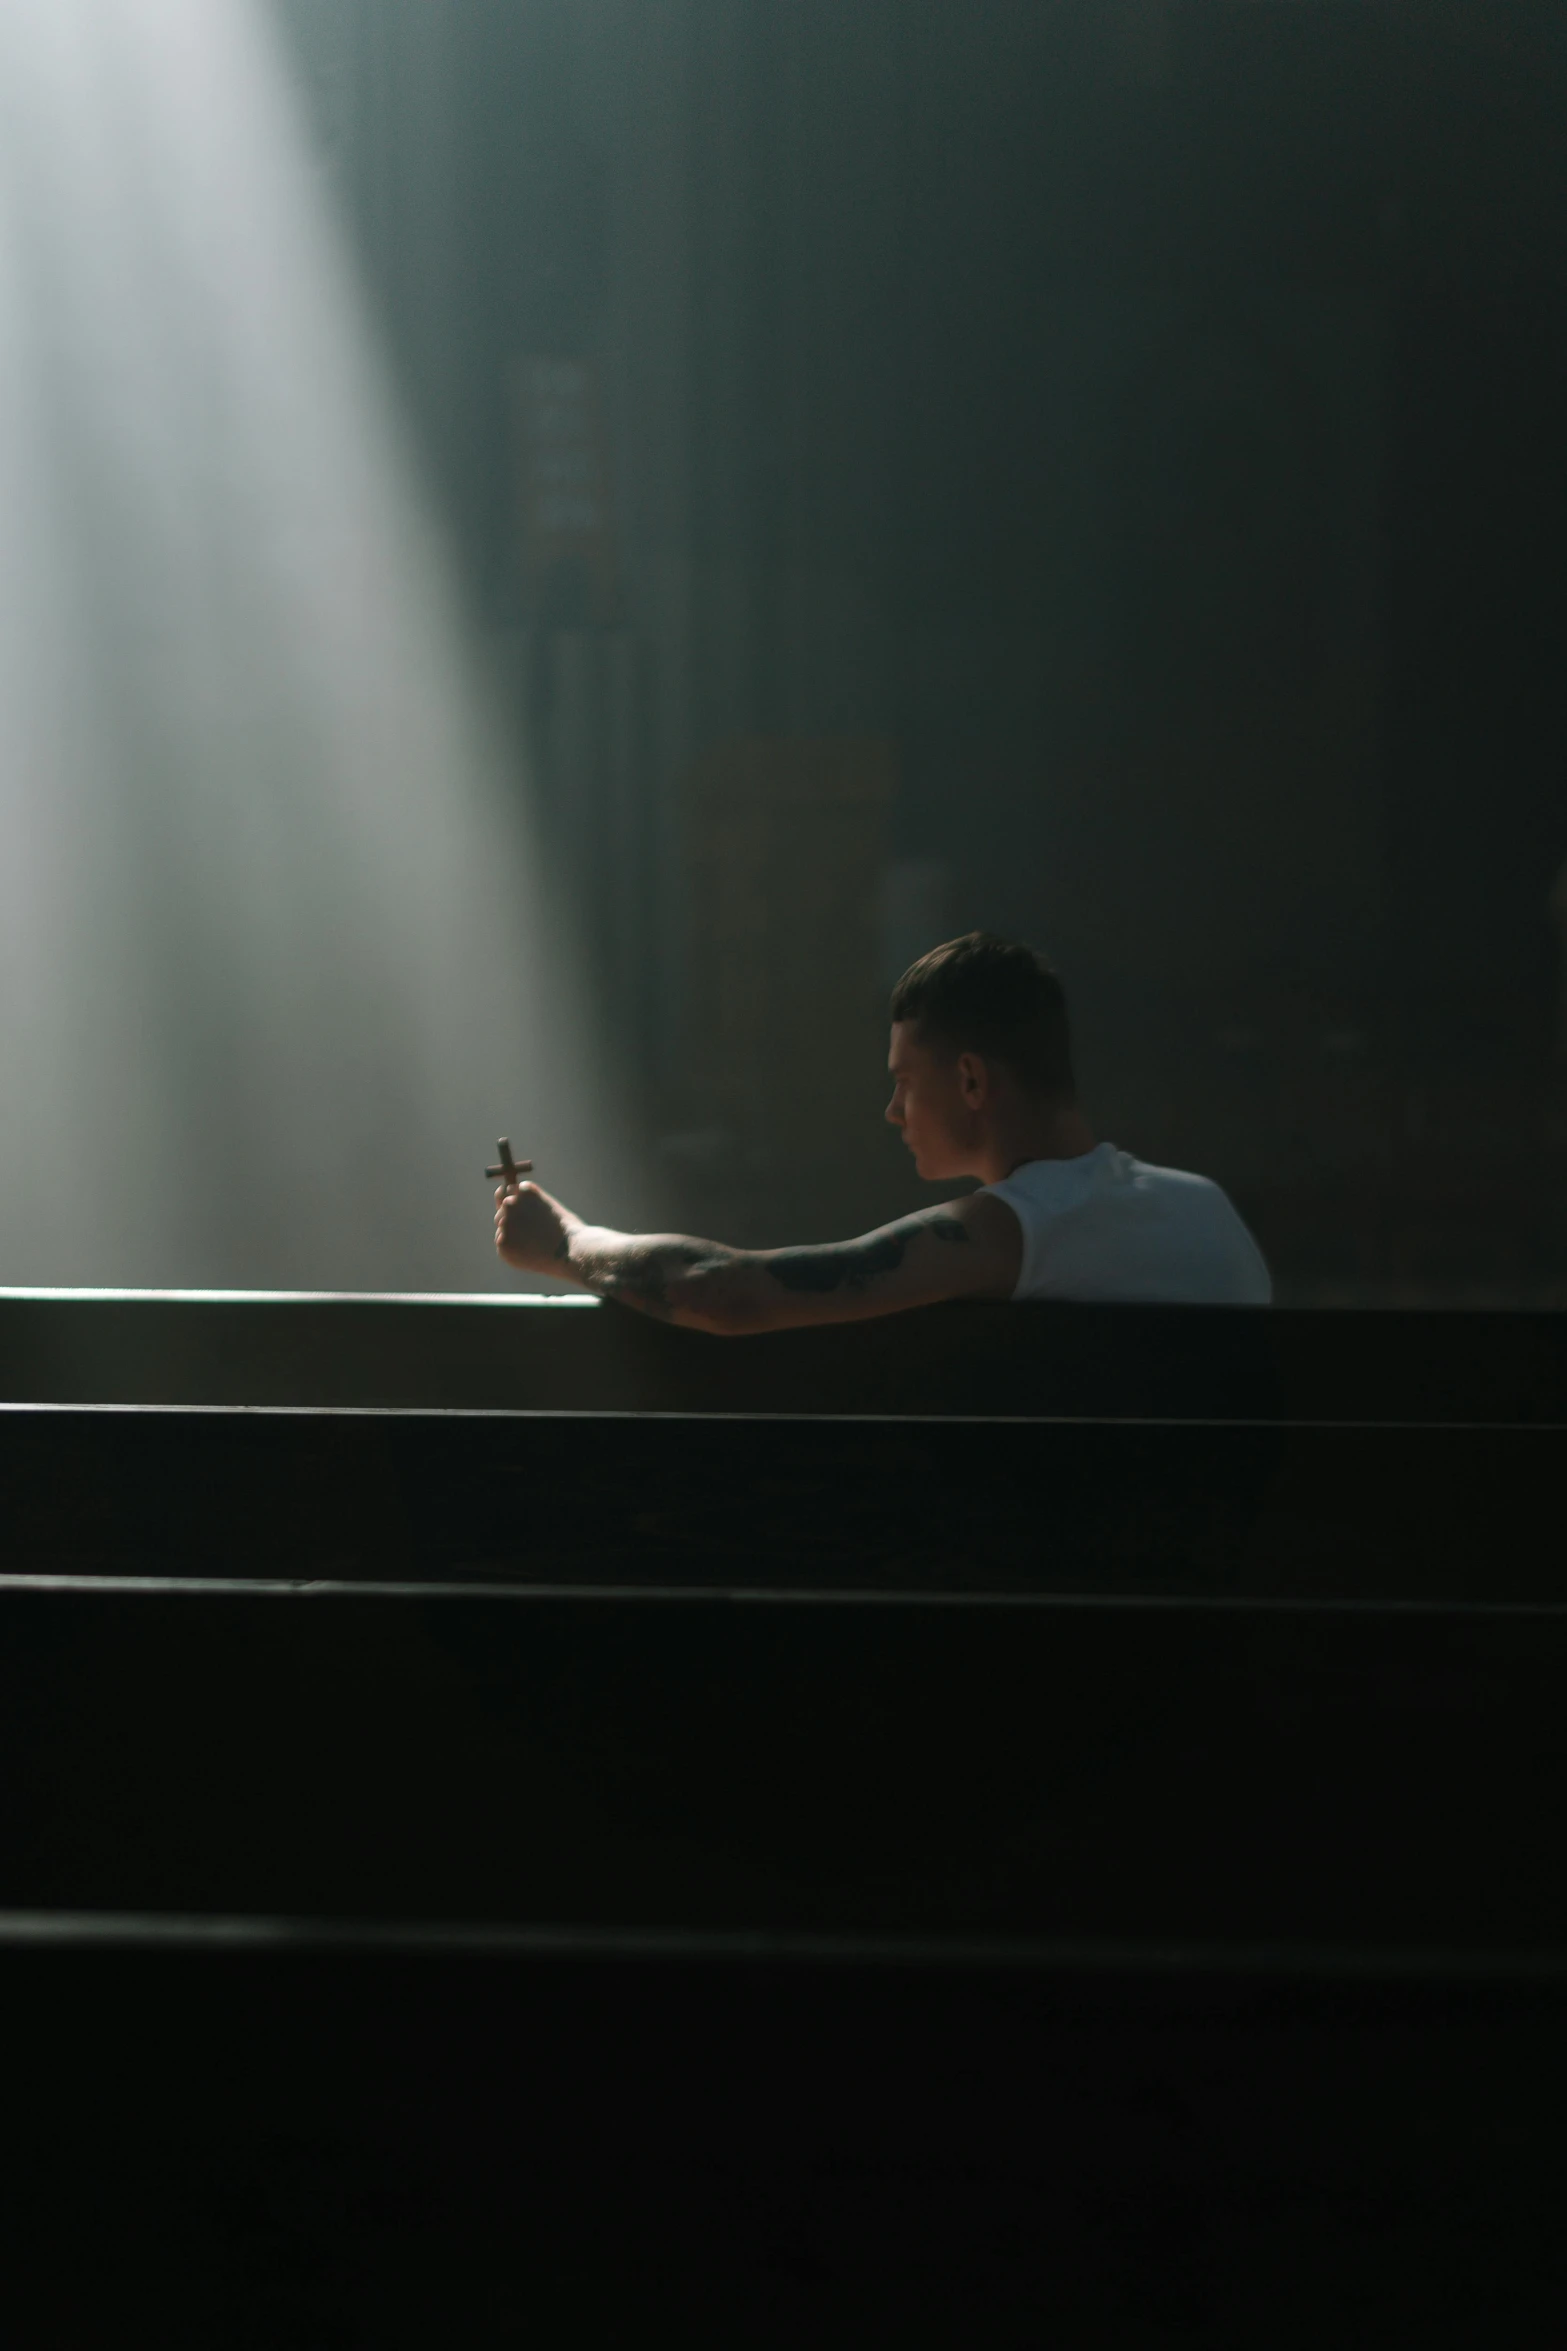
(796, 482)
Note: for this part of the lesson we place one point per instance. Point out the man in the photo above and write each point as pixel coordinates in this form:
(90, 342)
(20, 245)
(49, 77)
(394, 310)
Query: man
(982, 1086)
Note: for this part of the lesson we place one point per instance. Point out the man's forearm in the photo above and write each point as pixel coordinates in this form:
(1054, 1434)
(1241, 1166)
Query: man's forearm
(667, 1275)
(664, 1274)
(708, 1287)
(713, 1288)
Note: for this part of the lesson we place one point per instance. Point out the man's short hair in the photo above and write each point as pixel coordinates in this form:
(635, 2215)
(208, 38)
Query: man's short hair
(988, 996)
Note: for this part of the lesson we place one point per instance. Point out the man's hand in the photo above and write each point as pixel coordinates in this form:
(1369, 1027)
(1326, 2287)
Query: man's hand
(532, 1231)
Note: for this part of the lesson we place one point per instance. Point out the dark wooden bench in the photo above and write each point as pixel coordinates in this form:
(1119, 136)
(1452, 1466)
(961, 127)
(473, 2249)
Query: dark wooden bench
(1182, 1363)
(309, 2139)
(993, 1821)
(1310, 1510)
(1134, 1773)
(372, 1962)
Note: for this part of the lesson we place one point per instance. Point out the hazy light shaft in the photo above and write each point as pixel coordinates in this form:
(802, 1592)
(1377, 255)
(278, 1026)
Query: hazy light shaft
(276, 965)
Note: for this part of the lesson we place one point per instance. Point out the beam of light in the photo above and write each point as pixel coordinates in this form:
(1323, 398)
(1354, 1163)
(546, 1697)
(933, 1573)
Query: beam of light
(276, 959)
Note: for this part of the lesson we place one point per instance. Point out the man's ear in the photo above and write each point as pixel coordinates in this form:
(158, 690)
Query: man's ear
(973, 1081)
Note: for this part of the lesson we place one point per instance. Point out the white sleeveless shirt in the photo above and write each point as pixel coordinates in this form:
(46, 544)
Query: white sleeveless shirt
(1106, 1226)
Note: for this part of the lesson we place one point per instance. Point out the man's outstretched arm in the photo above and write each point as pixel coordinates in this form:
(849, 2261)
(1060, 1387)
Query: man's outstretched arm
(967, 1249)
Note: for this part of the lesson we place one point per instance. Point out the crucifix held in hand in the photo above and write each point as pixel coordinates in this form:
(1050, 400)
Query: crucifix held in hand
(510, 1170)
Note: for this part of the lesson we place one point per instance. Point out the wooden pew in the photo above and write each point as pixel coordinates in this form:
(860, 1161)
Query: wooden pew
(1311, 1510)
(1037, 1771)
(984, 1449)
(1111, 1911)
(342, 2139)
(376, 1960)
(519, 1354)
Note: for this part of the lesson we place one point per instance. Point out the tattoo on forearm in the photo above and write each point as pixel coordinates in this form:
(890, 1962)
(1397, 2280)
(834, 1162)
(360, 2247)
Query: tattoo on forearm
(852, 1264)
(642, 1273)
(641, 1277)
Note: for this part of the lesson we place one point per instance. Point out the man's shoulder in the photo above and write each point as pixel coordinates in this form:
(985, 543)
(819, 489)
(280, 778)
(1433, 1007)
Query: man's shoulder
(1180, 1186)
(1154, 1171)
(983, 1215)
(992, 1234)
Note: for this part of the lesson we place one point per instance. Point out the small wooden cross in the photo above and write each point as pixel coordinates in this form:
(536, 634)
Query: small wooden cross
(510, 1169)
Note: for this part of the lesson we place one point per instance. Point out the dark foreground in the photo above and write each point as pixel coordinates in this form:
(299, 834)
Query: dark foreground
(989, 1876)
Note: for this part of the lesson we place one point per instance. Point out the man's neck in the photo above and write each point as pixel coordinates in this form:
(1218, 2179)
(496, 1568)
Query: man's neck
(1035, 1133)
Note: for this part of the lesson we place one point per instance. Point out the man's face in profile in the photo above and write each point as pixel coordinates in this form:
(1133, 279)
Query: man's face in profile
(931, 1104)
